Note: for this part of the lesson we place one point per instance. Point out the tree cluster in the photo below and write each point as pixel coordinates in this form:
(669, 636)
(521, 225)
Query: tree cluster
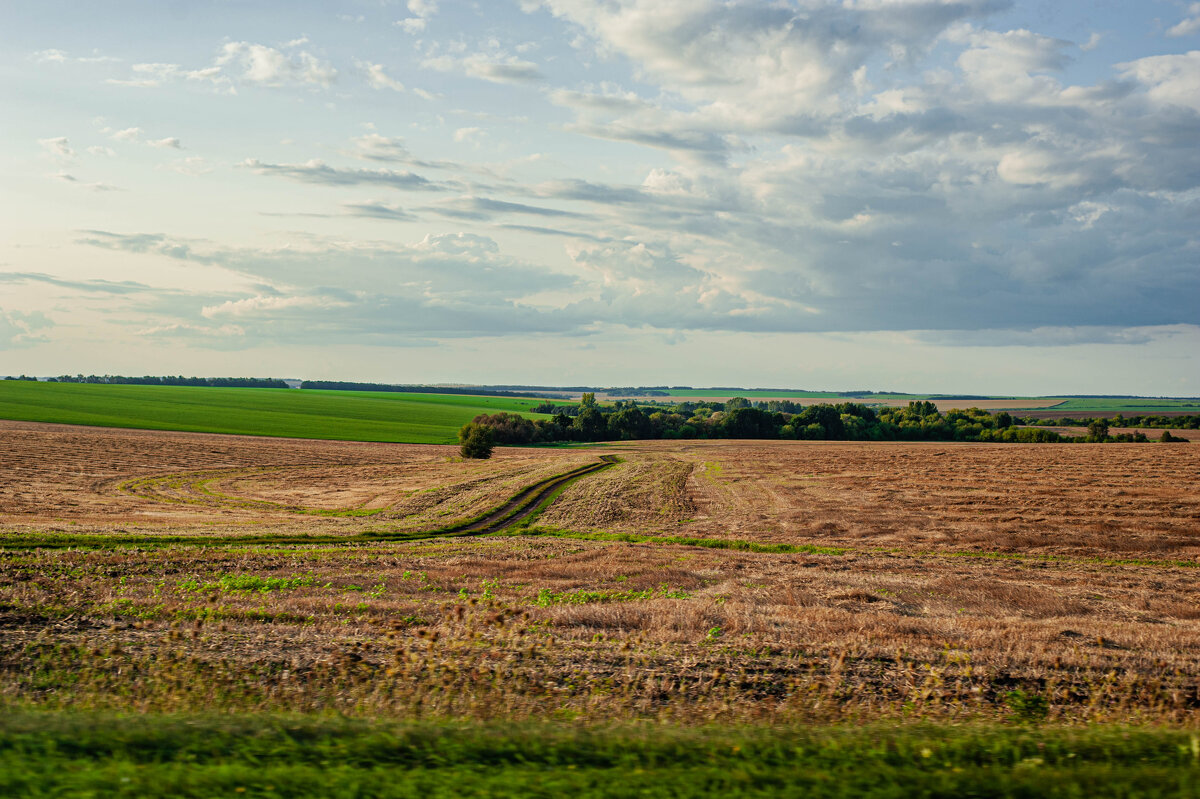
(739, 418)
(171, 380)
(1182, 422)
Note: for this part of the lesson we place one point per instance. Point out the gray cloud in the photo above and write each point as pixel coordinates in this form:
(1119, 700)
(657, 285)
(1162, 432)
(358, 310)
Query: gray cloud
(321, 174)
(483, 208)
(19, 329)
(378, 210)
(98, 286)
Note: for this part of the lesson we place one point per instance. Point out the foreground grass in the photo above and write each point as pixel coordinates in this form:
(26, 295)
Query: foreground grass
(340, 415)
(56, 754)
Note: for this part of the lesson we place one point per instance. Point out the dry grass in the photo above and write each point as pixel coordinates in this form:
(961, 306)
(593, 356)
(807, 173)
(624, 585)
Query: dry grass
(903, 619)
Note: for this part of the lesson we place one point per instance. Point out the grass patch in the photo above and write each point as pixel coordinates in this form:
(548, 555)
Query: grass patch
(63, 755)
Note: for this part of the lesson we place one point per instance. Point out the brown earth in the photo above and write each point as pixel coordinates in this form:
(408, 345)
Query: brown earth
(909, 578)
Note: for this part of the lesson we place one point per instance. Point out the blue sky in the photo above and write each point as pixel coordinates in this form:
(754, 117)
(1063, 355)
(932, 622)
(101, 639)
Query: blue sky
(942, 195)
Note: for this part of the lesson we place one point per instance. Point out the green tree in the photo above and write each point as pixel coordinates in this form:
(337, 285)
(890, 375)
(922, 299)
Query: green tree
(590, 425)
(475, 441)
(1098, 429)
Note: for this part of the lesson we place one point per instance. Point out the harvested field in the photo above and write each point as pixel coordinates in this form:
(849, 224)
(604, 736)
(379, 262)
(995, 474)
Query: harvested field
(102, 478)
(692, 580)
(1151, 433)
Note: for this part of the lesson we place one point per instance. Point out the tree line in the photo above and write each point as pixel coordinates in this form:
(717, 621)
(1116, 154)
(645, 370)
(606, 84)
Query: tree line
(739, 418)
(1182, 422)
(172, 380)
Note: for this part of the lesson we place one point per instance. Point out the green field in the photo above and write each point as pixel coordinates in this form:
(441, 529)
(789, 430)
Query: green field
(342, 415)
(1137, 405)
(65, 755)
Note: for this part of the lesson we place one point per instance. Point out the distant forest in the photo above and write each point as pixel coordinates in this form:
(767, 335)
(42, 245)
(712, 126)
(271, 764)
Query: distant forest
(345, 385)
(739, 418)
(168, 380)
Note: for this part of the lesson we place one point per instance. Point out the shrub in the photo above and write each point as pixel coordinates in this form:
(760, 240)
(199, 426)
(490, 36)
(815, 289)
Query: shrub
(476, 441)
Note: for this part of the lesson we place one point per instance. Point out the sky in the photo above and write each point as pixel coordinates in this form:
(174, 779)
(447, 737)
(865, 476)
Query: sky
(975, 196)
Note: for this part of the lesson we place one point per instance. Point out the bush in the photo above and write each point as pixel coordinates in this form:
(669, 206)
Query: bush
(476, 441)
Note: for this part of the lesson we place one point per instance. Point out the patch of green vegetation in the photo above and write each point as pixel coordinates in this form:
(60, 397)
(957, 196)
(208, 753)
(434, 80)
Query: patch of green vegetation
(68, 755)
(342, 415)
(249, 582)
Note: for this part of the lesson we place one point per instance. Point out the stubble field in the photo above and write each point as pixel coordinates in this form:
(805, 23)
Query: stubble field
(693, 580)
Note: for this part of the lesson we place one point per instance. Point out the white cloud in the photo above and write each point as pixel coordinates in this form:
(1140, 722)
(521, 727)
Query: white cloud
(422, 11)
(128, 134)
(1169, 79)
(497, 68)
(241, 63)
(168, 142)
(270, 67)
(378, 78)
(469, 135)
(1189, 24)
(58, 147)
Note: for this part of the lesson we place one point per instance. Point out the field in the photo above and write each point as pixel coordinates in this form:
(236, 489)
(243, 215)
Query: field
(820, 397)
(345, 415)
(1138, 405)
(771, 586)
(1151, 433)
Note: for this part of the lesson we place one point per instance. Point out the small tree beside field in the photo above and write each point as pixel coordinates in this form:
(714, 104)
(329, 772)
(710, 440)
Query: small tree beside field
(476, 441)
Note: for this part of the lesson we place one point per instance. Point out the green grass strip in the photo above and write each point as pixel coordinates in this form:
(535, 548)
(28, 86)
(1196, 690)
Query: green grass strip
(68, 755)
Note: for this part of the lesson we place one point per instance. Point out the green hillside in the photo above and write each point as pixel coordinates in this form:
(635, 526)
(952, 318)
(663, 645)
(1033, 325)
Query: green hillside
(345, 415)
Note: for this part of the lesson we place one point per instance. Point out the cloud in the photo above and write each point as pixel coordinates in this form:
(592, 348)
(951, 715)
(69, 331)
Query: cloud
(444, 286)
(52, 56)
(1168, 79)
(1189, 24)
(58, 147)
(374, 147)
(270, 67)
(422, 11)
(241, 63)
(378, 210)
(94, 286)
(378, 78)
(128, 134)
(319, 173)
(169, 142)
(469, 135)
(493, 67)
(55, 56)
(483, 208)
(20, 329)
(66, 177)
